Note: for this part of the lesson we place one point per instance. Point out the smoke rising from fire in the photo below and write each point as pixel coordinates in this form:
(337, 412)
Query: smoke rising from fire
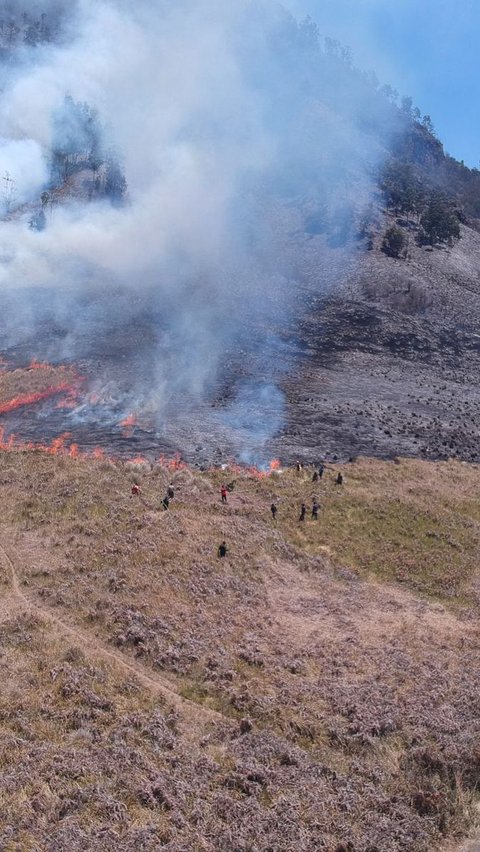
(232, 134)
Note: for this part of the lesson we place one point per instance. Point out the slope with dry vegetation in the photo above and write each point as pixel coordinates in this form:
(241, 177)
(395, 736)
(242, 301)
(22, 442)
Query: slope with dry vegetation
(317, 689)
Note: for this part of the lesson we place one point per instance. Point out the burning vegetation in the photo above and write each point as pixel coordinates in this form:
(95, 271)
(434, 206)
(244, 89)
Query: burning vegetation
(38, 382)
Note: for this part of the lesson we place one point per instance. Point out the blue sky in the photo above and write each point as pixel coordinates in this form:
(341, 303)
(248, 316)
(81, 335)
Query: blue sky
(428, 49)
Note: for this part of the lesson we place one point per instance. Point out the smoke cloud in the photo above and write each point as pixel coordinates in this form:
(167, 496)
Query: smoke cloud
(235, 133)
(23, 157)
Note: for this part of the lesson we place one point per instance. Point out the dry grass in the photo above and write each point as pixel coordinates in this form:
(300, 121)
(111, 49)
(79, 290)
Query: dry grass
(350, 645)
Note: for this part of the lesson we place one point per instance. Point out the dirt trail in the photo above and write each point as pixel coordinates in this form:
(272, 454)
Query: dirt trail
(188, 710)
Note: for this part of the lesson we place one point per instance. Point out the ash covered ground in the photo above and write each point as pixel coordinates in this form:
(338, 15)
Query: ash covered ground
(385, 363)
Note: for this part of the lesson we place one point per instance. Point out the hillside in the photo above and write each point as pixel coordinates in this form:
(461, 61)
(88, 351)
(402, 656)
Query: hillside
(378, 356)
(388, 358)
(316, 689)
(230, 283)
(222, 243)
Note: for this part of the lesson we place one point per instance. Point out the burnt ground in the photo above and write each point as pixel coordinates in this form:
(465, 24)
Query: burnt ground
(380, 358)
(377, 383)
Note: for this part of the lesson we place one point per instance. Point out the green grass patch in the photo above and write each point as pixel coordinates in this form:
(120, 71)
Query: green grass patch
(433, 552)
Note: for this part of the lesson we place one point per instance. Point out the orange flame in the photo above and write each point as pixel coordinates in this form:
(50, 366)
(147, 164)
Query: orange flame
(37, 365)
(32, 398)
(128, 425)
(131, 420)
(70, 400)
(58, 447)
(172, 464)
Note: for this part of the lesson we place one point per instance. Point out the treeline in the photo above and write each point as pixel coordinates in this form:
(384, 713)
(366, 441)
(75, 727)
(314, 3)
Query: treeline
(420, 181)
(417, 150)
(429, 211)
(423, 184)
(315, 82)
(420, 177)
(79, 143)
(19, 29)
(78, 148)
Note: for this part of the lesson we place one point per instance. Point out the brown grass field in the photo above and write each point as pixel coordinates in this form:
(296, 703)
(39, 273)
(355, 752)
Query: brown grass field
(318, 689)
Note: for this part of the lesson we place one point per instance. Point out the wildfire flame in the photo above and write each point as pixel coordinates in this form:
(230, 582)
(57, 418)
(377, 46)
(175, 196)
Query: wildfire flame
(32, 398)
(128, 425)
(65, 385)
(131, 420)
(172, 464)
(70, 388)
(58, 447)
(61, 447)
(70, 401)
(37, 365)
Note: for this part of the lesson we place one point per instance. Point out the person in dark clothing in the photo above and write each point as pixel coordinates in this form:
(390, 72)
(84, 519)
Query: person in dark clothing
(170, 492)
(273, 510)
(136, 490)
(339, 479)
(315, 476)
(321, 468)
(222, 550)
(299, 466)
(315, 508)
(223, 492)
(303, 512)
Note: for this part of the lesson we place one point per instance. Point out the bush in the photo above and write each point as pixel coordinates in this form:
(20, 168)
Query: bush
(439, 224)
(394, 242)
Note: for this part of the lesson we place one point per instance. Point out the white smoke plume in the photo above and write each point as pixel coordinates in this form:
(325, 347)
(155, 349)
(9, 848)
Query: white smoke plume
(231, 131)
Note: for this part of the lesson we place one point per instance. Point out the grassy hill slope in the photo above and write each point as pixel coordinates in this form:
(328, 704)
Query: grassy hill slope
(317, 689)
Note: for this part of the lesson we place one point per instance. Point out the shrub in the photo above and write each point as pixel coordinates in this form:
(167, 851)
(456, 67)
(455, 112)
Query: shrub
(394, 242)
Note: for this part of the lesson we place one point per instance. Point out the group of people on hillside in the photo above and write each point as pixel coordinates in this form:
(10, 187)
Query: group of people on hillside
(317, 475)
(303, 510)
(222, 548)
(170, 494)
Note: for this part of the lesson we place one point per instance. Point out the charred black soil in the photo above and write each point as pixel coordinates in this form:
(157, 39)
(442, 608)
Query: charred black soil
(384, 363)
